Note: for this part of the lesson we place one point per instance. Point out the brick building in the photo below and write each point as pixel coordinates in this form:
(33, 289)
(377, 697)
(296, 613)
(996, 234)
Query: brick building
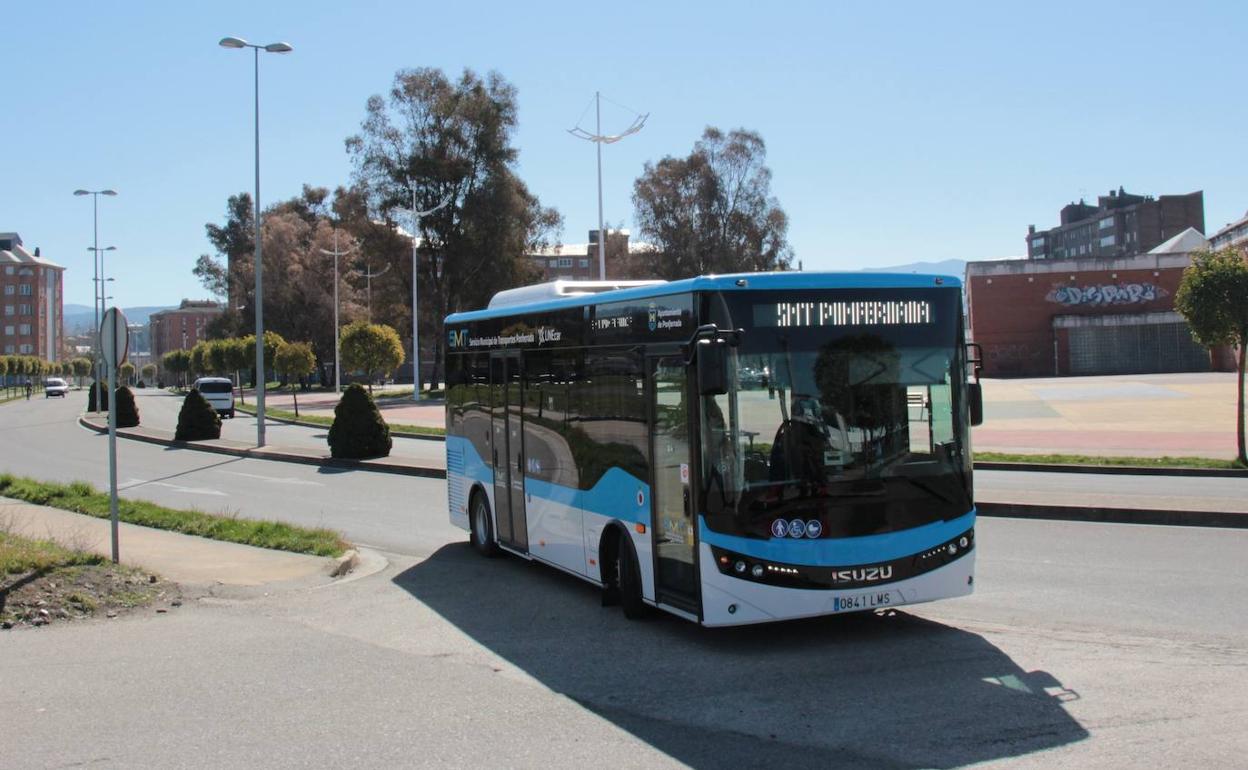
(1119, 225)
(181, 327)
(31, 292)
(1056, 317)
(579, 261)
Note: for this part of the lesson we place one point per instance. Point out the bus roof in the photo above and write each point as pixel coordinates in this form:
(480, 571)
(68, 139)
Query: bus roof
(734, 282)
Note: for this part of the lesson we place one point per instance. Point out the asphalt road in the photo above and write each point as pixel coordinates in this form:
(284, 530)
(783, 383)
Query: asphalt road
(1087, 645)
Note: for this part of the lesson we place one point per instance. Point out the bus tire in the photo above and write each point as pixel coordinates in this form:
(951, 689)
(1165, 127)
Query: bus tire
(481, 528)
(627, 579)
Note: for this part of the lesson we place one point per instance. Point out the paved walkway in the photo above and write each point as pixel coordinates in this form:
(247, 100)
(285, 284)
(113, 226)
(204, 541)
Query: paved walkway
(184, 559)
(1143, 415)
(397, 411)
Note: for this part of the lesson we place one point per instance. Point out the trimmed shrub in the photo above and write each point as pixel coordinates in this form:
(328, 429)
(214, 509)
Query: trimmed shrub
(91, 398)
(197, 421)
(127, 410)
(358, 432)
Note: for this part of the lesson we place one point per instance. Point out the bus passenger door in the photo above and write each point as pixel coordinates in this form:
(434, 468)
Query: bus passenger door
(508, 451)
(673, 525)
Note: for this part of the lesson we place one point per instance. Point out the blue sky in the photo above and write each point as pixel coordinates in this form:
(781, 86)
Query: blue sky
(896, 132)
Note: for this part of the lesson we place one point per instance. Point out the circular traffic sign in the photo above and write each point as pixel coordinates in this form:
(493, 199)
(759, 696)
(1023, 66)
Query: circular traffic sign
(114, 338)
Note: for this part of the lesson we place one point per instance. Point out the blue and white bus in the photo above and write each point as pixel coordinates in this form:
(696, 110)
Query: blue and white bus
(731, 449)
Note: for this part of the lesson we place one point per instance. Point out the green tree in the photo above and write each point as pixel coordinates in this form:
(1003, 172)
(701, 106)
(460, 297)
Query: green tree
(197, 420)
(4, 370)
(177, 362)
(358, 431)
(126, 372)
(449, 140)
(229, 273)
(199, 358)
(239, 357)
(148, 372)
(710, 212)
(1213, 297)
(218, 356)
(374, 349)
(294, 360)
(81, 367)
(127, 409)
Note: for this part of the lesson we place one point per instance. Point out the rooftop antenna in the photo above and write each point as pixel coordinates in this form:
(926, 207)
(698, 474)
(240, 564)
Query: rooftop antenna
(599, 139)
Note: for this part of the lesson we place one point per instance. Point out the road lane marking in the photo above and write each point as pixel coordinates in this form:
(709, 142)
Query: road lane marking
(132, 483)
(276, 479)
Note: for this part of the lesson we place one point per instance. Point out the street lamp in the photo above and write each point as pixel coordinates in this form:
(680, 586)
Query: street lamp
(599, 139)
(336, 254)
(416, 217)
(95, 342)
(236, 42)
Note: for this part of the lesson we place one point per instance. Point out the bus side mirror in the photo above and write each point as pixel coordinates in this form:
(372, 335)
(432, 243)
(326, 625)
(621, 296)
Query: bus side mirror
(712, 361)
(975, 400)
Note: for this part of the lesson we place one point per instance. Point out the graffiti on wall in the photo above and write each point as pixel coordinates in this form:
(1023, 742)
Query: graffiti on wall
(1100, 295)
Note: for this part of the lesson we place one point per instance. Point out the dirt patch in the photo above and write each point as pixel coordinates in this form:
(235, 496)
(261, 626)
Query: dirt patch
(78, 587)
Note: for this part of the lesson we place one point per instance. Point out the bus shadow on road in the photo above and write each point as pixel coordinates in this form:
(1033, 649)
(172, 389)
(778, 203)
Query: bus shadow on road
(891, 690)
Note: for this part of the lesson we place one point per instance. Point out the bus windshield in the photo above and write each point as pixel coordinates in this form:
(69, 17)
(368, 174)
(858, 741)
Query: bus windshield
(846, 414)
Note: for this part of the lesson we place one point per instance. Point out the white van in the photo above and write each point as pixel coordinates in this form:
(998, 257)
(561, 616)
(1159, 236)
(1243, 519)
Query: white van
(218, 392)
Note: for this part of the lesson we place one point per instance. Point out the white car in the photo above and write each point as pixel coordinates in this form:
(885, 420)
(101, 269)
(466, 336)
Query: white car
(55, 386)
(218, 392)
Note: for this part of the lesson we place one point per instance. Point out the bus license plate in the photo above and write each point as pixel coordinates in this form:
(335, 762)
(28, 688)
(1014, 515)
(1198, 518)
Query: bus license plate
(867, 601)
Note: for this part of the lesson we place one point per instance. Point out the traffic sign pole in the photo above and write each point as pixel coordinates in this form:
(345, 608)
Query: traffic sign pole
(115, 346)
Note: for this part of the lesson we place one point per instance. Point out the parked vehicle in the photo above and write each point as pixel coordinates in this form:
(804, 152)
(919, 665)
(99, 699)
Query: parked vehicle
(218, 392)
(55, 386)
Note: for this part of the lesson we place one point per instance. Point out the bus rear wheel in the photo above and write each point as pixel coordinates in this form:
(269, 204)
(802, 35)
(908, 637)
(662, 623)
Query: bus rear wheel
(481, 529)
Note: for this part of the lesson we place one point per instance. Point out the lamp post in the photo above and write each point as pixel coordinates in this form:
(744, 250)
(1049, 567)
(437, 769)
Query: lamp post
(369, 275)
(599, 139)
(236, 42)
(336, 254)
(416, 217)
(99, 289)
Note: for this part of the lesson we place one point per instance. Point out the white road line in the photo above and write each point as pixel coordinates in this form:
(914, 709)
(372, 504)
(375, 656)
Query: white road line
(131, 483)
(276, 479)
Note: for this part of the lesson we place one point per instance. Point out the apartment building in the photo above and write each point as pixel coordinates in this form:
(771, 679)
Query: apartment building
(31, 301)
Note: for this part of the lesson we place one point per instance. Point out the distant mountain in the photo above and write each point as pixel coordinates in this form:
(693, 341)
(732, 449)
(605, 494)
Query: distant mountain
(79, 319)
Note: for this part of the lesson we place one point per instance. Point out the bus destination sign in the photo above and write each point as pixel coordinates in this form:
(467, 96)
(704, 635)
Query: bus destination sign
(845, 313)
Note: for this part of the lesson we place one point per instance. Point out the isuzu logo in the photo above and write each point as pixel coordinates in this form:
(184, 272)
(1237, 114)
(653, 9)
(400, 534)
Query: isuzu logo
(863, 574)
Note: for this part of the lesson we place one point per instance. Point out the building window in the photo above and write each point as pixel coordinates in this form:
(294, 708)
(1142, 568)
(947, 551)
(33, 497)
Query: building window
(1107, 241)
(553, 263)
(1037, 243)
(8, 270)
(1106, 223)
(25, 271)
(9, 310)
(584, 263)
(25, 290)
(22, 329)
(25, 349)
(8, 330)
(23, 309)
(565, 262)
(10, 290)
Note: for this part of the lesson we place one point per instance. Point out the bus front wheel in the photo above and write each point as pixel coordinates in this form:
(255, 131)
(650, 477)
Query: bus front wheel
(627, 579)
(481, 529)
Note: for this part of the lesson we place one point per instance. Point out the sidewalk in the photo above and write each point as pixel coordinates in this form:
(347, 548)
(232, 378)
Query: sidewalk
(397, 411)
(184, 559)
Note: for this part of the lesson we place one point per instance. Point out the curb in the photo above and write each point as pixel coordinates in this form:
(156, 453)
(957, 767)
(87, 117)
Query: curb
(377, 466)
(1115, 515)
(345, 563)
(1113, 470)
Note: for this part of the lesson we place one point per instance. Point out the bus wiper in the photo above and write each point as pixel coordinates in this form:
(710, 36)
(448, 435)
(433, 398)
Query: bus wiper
(925, 487)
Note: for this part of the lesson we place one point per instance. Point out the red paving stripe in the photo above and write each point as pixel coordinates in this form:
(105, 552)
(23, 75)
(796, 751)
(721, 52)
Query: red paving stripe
(1217, 443)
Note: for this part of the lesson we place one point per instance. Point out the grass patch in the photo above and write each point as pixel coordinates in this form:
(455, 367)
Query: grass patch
(19, 555)
(43, 582)
(81, 497)
(317, 419)
(1139, 462)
